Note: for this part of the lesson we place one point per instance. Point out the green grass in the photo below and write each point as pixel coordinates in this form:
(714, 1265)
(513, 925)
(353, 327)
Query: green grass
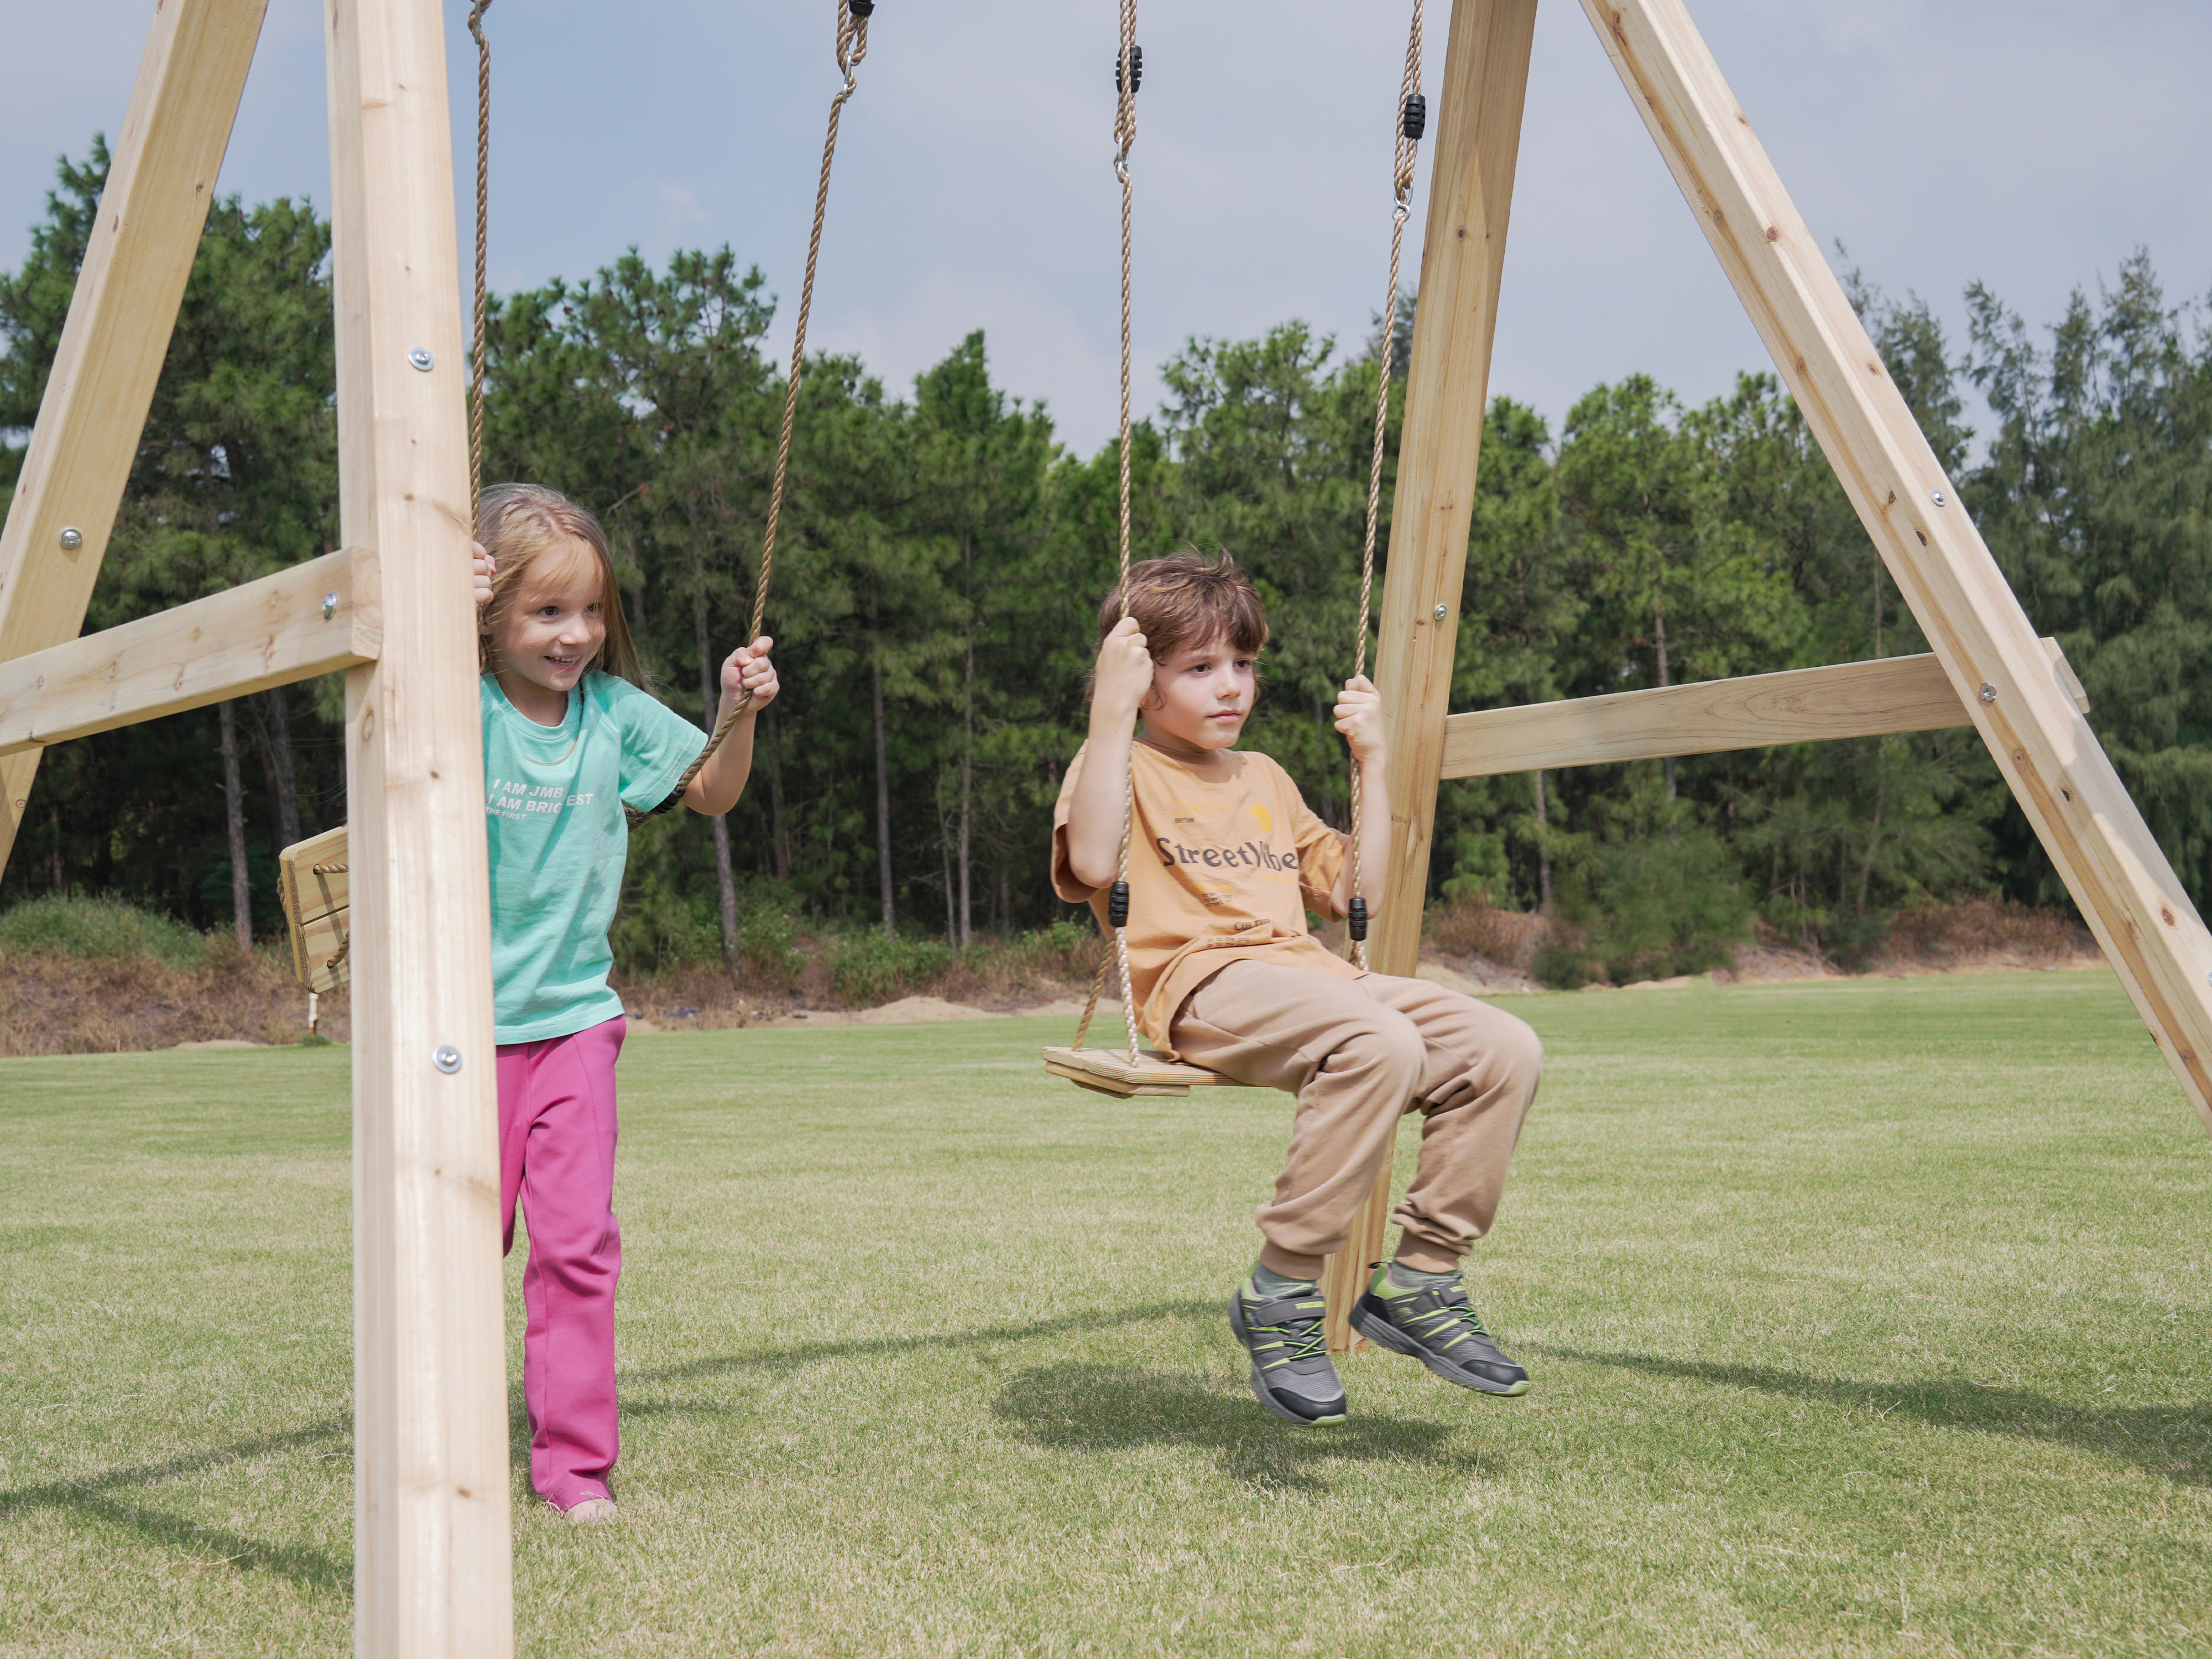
(1865, 1318)
(100, 929)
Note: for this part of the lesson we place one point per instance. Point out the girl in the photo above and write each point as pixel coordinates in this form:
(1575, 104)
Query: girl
(571, 737)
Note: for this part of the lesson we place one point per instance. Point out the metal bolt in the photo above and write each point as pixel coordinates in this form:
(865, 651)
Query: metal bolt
(72, 539)
(1989, 692)
(447, 1059)
(421, 359)
(330, 606)
(1439, 613)
(1935, 496)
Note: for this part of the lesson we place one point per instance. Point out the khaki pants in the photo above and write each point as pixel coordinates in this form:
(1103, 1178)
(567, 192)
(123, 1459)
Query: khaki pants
(1359, 1054)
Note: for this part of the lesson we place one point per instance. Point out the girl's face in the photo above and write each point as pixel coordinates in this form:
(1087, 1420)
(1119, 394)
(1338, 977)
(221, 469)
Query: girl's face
(1201, 696)
(557, 624)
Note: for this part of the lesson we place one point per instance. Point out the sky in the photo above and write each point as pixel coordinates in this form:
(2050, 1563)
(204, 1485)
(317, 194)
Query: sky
(2029, 144)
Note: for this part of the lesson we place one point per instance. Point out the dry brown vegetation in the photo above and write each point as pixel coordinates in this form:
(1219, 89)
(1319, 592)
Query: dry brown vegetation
(53, 1004)
(1973, 935)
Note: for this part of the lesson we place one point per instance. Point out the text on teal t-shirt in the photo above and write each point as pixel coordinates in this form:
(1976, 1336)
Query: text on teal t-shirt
(553, 814)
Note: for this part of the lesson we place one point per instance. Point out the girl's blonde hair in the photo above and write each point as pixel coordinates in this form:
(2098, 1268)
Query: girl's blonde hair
(519, 525)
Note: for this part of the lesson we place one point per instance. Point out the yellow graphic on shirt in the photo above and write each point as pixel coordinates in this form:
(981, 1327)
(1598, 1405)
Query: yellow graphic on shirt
(1267, 818)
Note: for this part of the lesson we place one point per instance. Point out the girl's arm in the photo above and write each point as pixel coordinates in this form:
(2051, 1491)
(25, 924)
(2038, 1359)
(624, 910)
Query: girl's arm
(1359, 717)
(1118, 689)
(722, 779)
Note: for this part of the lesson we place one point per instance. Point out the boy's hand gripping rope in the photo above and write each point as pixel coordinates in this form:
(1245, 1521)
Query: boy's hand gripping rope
(851, 46)
(1128, 73)
(1410, 119)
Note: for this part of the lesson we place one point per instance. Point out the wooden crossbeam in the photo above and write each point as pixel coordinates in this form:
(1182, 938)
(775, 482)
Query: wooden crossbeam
(315, 618)
(1804, 705)
(161, 178)
(433, 1572)
(2059, 774)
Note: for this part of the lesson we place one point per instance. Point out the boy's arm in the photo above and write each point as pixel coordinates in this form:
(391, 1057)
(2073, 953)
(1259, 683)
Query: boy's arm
(722, 779)
(1118, 689)
(1359, 717)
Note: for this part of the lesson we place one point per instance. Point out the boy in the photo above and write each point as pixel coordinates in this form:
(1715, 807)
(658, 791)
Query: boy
(1224, 859)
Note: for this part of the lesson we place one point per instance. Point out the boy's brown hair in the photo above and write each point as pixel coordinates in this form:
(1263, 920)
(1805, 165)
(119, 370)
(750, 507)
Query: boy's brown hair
(1187, 599)
(526, 528)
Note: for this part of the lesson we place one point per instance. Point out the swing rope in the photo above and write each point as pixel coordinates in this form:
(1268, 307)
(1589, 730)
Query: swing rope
(851, 46)
(483, 229)
(1128, 71)
(1412, 121)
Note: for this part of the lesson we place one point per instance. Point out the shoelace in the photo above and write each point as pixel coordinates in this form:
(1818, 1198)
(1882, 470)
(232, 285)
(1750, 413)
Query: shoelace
(1455, 1309)
(1303, 1339)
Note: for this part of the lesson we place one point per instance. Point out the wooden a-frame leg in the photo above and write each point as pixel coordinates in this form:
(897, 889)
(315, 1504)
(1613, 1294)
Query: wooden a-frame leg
(432, 1570)
(1486, 82)
(2057, 771)
(161, 178)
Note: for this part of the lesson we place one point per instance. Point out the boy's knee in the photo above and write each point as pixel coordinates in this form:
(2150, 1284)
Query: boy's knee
(1388, 1043)
(1519, 1053)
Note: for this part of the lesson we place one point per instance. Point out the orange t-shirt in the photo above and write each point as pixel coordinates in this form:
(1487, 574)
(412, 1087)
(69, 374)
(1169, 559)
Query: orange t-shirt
(1221, 869)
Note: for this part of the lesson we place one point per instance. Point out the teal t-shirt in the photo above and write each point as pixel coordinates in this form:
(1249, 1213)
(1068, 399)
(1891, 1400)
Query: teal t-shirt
(553, 813)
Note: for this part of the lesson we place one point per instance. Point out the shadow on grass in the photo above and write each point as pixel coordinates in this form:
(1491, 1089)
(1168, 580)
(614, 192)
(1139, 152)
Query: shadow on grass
(991, 1336)
(2174, 1441)
(100, 1498)
(1110, 1408)
(802, 1354)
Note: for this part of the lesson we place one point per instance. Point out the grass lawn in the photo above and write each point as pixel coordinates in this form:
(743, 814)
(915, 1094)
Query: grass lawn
(1867, 1317)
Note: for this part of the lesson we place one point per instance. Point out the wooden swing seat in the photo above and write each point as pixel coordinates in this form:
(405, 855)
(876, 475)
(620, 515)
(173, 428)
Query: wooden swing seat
(1108, 1072)
(314, 889)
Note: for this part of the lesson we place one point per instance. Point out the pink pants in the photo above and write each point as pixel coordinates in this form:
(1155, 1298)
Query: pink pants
(557, 1152)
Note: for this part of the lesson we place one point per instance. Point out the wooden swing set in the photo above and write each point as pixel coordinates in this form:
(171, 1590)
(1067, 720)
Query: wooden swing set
(391, 611)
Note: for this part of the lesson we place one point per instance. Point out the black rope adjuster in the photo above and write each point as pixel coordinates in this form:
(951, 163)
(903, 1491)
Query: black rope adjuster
(1357, 910)
(1136, 70)
(1417, 116)
(1117, 904)
(862, 8)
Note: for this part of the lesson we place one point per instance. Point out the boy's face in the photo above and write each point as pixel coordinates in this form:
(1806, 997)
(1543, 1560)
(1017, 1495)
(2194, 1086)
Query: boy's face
(1202, 695)
(555, 627)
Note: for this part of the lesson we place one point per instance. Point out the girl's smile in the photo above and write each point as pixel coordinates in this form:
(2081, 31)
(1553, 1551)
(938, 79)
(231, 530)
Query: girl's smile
(552, 636)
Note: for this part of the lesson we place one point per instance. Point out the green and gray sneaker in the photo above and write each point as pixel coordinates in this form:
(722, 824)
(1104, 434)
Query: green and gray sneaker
(1291, 1374)
(1436, 1325)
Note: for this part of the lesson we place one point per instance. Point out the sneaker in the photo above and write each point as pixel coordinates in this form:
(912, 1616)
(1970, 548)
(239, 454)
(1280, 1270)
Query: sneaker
(1291, 1374)
(1436, 1325)
(591, 1512)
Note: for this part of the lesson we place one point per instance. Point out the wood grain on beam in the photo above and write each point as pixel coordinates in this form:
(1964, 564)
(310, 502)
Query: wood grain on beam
(2058, 772)
(161, 178)
(1805, 705)
(1478, 103)
(315, 618)
(433, 1572)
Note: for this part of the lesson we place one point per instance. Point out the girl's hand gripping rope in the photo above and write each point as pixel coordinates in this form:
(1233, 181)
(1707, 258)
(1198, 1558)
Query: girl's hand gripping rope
(485, 570)
(748, 669)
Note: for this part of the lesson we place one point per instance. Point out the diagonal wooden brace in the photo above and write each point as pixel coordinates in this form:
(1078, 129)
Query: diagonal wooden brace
(2058, 772)
(160, 181)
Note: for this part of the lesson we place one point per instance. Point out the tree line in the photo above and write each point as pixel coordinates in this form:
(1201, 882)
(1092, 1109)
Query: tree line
(942, 556)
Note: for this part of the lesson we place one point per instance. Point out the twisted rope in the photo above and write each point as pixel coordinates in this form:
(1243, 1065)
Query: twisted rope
(851, 48)
(1125, 137)
(1401, 208)
(483, 229)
